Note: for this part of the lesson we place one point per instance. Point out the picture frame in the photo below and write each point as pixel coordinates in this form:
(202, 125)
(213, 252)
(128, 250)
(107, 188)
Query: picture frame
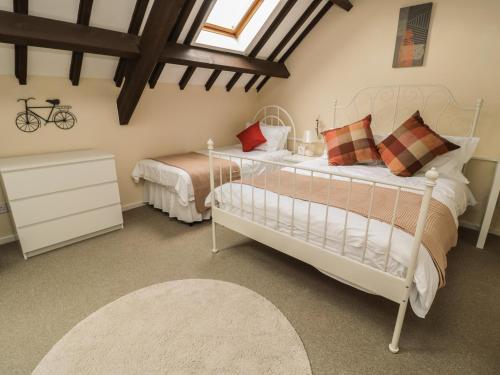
(412, 34)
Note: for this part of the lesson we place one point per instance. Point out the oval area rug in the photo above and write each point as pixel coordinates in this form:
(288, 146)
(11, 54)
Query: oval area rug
(181, 327)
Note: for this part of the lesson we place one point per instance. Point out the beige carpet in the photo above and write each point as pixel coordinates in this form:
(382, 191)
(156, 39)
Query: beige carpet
(181, 327)
(344, 331)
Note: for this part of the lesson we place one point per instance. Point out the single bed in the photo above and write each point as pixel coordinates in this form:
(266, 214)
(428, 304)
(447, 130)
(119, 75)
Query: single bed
(377, 256)
(170, 189)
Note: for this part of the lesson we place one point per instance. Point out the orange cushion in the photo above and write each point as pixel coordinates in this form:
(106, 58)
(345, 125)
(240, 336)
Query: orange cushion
(251, 137)
(351, 144)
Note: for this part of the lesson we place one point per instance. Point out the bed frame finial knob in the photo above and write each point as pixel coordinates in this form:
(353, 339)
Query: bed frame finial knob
(431, 175)
(210, 144)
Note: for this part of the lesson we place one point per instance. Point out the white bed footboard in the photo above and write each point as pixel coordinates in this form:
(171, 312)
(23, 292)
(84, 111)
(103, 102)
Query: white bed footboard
(269, 230)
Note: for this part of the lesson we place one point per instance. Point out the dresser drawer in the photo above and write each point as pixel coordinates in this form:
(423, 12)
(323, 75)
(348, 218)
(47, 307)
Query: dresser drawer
(33, 210)
(45, 180)
(37, 236)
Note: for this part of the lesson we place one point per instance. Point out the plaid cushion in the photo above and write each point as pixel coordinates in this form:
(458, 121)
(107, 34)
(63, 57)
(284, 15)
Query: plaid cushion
(351, 144)
(411, 146)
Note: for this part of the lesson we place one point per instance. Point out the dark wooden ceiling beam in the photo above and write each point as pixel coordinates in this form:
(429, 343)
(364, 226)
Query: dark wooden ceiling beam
(291, 33)
(186, 77)
(213, 77)
(159, 25)
(344, 4)
(84, 11)
(43, 32)
(174, 35)
(134, 28)
(197, 57)
(200, 17)
(265, 38)
(21, 51)
(299, 39)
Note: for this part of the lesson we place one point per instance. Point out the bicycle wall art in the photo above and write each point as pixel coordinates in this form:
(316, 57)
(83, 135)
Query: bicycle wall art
(29, 121)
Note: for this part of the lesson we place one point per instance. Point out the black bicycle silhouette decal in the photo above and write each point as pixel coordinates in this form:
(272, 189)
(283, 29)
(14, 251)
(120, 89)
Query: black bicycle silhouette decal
(29, 121)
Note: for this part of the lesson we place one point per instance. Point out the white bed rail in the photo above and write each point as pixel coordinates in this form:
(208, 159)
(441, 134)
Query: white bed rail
(234, 214)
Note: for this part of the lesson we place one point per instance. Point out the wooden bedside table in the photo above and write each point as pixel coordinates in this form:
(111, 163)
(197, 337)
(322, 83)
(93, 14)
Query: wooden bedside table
(490, 208)
(296, 158)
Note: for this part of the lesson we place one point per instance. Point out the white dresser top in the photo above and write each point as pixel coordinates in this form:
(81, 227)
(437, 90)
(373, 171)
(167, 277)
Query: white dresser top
(51, 159)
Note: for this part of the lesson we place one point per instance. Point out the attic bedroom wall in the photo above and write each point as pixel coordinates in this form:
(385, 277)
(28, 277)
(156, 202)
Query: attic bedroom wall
(166, 121)
(350, 51)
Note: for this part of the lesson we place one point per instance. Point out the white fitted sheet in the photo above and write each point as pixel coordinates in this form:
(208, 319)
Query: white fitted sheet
(455, 195)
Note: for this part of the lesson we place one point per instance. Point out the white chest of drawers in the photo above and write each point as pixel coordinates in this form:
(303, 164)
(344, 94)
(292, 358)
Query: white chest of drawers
(60, 198)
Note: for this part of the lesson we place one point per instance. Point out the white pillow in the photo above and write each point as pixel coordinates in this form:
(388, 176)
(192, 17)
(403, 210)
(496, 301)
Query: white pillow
(283, 130)
(451, 163)
(276, 137)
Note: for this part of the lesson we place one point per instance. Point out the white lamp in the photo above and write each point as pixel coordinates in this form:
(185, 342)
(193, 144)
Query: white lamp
(308, 138)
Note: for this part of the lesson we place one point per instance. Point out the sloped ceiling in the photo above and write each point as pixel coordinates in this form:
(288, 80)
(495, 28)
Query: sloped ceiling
(116, 15)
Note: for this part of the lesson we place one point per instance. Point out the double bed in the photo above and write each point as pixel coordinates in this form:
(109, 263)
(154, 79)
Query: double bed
(377, 242)
(170, 189)
(456, 196)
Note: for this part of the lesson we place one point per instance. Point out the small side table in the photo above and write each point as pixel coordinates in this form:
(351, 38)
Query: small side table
(490, 208)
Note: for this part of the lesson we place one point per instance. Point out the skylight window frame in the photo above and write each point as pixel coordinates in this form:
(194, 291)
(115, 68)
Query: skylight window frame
(235, 45)
(235, 33)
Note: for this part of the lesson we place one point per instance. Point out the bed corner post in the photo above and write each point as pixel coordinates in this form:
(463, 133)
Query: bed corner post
(430, 182)
(210, 147)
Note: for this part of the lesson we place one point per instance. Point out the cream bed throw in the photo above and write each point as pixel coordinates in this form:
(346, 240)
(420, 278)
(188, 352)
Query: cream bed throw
(197, 166)
(440, 233)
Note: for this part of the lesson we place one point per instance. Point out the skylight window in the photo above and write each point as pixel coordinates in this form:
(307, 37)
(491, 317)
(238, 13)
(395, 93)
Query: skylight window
(234, 24)
(230, 17)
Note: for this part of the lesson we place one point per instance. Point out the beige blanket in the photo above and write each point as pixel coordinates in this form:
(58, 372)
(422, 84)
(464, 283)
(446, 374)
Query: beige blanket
(440, 233)
(197, 166)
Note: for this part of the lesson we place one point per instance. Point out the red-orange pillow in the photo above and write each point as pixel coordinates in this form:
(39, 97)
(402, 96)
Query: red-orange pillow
(251, 137)
(351, 144)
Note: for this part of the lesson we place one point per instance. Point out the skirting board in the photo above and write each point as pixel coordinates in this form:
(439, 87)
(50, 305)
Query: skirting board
(126, 207)
(131, 206)
(477, 227)
(8, 238)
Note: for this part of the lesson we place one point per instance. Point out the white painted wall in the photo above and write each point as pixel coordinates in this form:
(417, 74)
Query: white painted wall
(349, 51)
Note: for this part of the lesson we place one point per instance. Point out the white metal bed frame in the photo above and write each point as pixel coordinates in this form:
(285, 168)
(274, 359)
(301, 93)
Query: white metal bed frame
(393, 104)
(273, 115)
(381, 282)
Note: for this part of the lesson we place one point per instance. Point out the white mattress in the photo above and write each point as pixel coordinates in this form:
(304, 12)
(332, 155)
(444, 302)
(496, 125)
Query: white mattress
(179, 182)
(455, 195)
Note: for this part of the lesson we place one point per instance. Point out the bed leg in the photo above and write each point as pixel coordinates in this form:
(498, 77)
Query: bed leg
(394, 345)
(215, 250)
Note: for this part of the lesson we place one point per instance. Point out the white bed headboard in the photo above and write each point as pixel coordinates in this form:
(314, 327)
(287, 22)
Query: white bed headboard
(276, 116)
(390, 106)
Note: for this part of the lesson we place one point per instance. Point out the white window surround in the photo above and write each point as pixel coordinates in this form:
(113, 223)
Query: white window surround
(252, 31)
(229, 13)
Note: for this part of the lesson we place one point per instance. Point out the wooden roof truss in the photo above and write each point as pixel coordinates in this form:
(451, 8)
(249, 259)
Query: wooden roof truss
(142, 58)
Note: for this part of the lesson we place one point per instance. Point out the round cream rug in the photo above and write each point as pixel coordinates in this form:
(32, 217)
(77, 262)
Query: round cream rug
(181, 327)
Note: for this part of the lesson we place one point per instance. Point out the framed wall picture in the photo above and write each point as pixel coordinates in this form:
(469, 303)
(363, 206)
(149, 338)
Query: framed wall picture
(411, 39)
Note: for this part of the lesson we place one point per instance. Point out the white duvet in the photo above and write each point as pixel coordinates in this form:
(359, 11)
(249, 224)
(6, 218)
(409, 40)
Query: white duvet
(179, 181)
(455, 195)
